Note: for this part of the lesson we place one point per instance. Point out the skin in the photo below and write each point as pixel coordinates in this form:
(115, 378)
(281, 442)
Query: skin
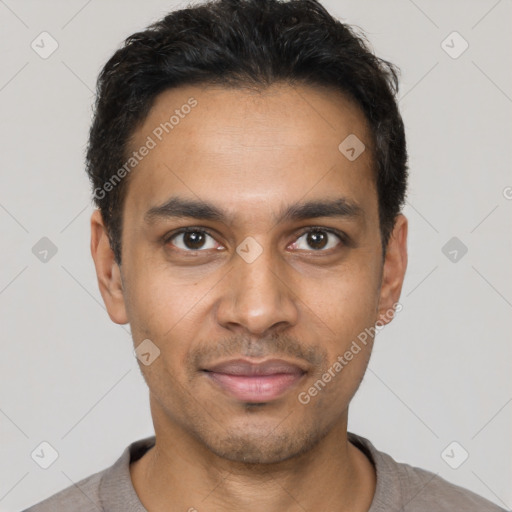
(252, 154)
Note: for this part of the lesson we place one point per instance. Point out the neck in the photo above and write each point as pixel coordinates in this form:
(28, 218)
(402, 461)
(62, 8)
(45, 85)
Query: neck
(181, 473)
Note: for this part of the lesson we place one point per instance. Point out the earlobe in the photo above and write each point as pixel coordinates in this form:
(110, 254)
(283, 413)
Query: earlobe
(107, 270)
(393, 273)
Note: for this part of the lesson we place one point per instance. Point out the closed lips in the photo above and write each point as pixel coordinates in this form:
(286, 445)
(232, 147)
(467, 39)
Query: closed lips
(246, 368)
(250, 382)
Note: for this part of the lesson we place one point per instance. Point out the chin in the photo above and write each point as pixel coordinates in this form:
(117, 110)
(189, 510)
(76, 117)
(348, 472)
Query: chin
(264, 446)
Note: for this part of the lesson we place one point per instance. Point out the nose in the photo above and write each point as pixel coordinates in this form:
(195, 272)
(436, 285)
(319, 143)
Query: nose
(256, 297)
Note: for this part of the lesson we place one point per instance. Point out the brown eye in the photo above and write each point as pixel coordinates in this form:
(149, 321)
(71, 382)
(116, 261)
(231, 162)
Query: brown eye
(193, 241)
(317, 240)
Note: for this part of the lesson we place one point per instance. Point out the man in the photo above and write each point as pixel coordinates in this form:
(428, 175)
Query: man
(249, 167)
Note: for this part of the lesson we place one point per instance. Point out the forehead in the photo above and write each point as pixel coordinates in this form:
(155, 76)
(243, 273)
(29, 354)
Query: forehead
(250, 147)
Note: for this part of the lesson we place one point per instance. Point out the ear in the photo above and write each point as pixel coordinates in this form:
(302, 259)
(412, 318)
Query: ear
(107, 270)
(393, 272)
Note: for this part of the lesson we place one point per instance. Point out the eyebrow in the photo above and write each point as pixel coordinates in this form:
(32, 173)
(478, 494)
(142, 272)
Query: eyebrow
(179, 207)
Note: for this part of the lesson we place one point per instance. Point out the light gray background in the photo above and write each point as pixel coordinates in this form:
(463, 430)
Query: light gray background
(440, 372)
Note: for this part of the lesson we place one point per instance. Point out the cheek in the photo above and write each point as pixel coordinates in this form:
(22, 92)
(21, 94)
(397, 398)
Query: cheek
(166, 310)
(346, 301)
(347, 317)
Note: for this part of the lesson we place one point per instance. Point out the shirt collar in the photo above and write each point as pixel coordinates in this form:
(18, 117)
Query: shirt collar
(117, 493)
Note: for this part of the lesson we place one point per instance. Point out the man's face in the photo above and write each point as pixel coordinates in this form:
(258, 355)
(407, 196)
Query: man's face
(275, 278)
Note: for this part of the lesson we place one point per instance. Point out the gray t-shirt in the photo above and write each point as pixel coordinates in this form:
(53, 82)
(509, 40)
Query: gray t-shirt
(400, 487)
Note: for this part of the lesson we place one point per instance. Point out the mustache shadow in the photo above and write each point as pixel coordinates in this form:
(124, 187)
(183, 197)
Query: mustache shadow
(275, 346)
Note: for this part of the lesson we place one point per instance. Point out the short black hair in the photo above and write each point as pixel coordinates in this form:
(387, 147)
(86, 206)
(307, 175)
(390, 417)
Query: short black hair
(237, 43)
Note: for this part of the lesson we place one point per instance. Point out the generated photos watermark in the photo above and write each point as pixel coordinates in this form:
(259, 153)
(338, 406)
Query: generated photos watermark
(304, 397)
(151, 143)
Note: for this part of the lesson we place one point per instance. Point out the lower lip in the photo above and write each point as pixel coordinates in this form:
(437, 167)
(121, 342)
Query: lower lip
(256, 388)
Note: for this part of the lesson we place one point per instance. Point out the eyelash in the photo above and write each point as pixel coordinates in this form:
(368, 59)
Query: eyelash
(344, 240)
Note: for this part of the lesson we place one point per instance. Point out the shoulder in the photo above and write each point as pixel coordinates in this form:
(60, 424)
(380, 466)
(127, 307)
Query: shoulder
(408, 488)
(107, 490)
(423, 489)
(80, 497)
